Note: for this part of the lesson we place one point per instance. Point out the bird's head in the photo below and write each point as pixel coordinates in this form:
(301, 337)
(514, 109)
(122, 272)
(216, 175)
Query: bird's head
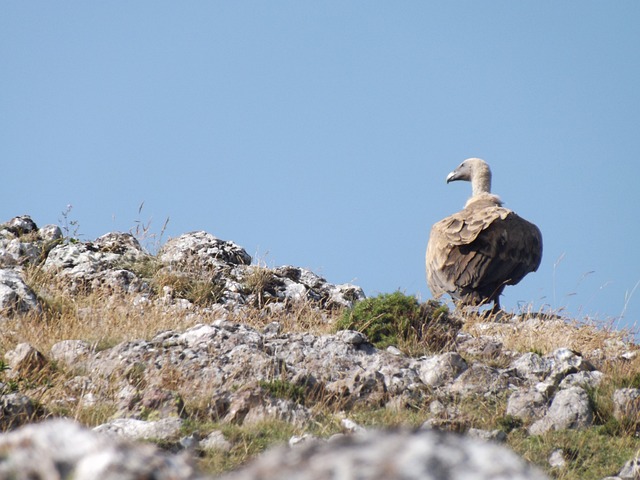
(467, 170)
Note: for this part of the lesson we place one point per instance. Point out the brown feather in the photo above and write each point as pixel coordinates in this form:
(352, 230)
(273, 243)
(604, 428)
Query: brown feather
(473, 254)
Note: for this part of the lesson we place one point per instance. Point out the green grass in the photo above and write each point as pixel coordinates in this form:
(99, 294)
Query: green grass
(247, 442)
(590, 454)
(400, 320)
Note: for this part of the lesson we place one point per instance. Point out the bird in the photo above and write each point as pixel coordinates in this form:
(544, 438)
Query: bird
(475, 253)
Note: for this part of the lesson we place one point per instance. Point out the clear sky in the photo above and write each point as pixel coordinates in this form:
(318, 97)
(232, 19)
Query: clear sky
(319, 134)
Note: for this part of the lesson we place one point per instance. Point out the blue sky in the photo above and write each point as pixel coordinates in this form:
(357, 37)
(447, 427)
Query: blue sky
(319, 134)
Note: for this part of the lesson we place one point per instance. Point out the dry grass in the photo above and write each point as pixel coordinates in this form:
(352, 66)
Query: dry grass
(295, 317)
(545, 332)
(104, 318)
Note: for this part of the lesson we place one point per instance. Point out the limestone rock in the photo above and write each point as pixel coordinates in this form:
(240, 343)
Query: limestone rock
(437, 370)
(480, 379)
(570, 408)
(21, 242)
(21, 225)
(94, 264)
(23, 360)
(425, 454)
(527, 405)
(556, 459)
(16, 409)
(166, 429)
(69, 352)
(215, 441)
(58, 449)
(582, 379)
(202, 251)
(490, 436)
(626, 405)
(15, 295)
(532, 366)
(630, 470)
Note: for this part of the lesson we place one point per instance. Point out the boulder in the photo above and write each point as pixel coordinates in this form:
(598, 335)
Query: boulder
(164, 430)
(15, 294)
(24, 360)
(16, 409)
(626, 405)
(101, 263)
(569, 409)
(21, 242)
(58, 449)
(373, 455)
(527, 405)
(480, 379)
(437, 370)
(69, 352)
(202, 251)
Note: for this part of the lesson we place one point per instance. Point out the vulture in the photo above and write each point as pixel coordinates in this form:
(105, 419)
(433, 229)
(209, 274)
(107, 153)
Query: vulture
(473, 254)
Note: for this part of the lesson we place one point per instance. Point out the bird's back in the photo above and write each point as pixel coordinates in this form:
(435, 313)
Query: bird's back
(473, 254)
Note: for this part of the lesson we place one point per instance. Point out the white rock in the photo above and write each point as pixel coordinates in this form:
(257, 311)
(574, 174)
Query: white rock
(215, 441)
(15, 295)
(133, 429)
(437, 370)
(570, 408)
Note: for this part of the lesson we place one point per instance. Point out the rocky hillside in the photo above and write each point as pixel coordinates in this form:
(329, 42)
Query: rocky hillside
(196, 363)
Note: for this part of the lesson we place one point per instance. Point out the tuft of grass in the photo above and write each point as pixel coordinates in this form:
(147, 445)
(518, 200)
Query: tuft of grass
(99, 317)
(247, 442)
(284, 389)
(590, 454)
(201, 290)
(400, 320)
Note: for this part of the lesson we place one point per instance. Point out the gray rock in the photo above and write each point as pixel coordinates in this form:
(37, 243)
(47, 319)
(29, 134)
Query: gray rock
(532, 366)
(216, 359)
(215, 441)
(299, 283)
(15, 409)
(58, 449)
(480, 379)
(99, 263)
(15, 295)
(69, 352)
(626, 405)
(21, 242)
(202, 251)
(569, 409)
(166, 429)
(351, 427)
(422, 455)
(566, 362)
(437, 370)
(24, 360)
(299, 440)
(50, 233)
(582, 379)
(21, 225)
(527, 404)
(487, 435)
(556, 459)
(630, 470)
(550, 370)
(352, 337)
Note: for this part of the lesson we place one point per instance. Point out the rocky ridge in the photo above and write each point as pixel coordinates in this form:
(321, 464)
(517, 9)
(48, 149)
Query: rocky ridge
(238, 374)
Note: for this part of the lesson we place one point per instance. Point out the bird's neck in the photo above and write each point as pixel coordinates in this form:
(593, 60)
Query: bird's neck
(481, 182)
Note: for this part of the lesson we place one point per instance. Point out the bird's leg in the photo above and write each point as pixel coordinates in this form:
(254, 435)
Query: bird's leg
(496, 306)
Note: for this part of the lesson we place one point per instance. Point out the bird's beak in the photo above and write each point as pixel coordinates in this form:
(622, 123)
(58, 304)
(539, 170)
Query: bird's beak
(452, 177)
